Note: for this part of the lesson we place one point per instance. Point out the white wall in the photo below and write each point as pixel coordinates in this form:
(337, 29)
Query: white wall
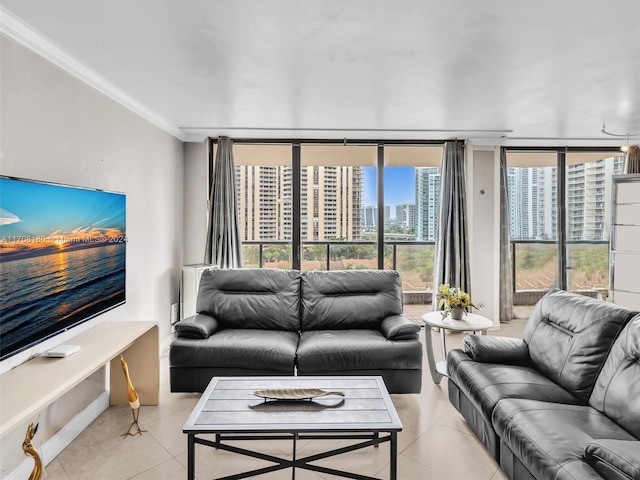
(483, 201)
(55, 128)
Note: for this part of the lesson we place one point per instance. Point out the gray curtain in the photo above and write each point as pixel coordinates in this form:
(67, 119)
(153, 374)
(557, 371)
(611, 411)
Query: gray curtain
(452, 243)
(633, 160)
(506, 273)
(224, 247)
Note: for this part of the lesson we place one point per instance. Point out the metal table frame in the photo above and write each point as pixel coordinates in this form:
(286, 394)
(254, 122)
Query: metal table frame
(369, 435)
(471, 322)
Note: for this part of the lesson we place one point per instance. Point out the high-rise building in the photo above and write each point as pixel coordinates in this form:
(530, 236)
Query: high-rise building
(330, 202)
(427, 202)
(370, 216)
(406, 215)
(533, 200)
(589, 198)
(265, 202)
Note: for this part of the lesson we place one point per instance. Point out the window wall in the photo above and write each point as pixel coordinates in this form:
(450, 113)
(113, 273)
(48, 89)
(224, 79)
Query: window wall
(411, 198)
(560, 212)
(589, 193)
(264, 188)
(340, 206)
(337, 191)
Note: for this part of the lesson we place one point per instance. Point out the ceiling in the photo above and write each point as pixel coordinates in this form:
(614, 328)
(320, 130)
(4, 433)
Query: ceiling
(495, 71)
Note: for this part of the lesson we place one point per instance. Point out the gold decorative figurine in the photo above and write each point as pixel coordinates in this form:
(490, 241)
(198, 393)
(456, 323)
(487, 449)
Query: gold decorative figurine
(134, 402)
(30, 450)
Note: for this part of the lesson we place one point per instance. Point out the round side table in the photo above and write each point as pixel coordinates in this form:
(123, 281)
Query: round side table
(471, 322)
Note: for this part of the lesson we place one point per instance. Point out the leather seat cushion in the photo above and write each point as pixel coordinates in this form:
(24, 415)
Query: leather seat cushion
(485, 384)
(238, 348)
(617, 389)
(569, 337)
(322, 351)
(349, 299)
(550, 438)
(260, 298)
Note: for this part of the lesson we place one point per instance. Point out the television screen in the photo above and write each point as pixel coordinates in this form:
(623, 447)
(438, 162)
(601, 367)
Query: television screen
(62, 258)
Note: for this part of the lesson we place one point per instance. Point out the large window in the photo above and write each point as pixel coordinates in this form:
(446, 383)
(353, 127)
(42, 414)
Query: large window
(411, 198)
(589, 193)
(265, 200)
(533, 220)
(337, 191)
(560, 228)
(327, 204)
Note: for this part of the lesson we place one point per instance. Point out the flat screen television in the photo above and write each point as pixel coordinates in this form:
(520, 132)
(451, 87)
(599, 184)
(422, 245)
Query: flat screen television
(62, 259)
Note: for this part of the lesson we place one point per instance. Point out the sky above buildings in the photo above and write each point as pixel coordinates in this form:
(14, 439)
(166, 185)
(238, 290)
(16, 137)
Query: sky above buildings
(399, 186)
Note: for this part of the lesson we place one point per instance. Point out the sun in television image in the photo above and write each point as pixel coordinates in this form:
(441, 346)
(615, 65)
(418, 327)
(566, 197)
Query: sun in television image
(62, 258)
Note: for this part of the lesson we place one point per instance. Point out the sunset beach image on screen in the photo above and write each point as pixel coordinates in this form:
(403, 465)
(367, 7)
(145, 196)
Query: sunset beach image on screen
(62, 258)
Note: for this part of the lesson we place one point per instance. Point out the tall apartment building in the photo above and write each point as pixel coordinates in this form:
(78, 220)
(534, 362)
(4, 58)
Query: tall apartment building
(427, 203)
(330, 202)
(406, 215)
(265, 202)
(369, 216)
(589, 198)
(533, 200)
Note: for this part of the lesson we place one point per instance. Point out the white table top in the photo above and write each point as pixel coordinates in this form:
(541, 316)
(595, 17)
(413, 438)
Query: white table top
(470, 322)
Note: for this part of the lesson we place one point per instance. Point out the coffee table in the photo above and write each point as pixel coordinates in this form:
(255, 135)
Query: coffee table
(229, 410)
(471, 322)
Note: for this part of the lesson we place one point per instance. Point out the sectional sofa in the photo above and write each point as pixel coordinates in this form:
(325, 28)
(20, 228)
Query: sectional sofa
(562, 402)
(287, 322)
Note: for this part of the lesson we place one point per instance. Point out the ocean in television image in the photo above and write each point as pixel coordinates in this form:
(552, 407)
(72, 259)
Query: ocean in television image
(62, 258)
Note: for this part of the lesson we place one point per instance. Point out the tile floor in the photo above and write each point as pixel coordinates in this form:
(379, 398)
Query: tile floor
(435, 443)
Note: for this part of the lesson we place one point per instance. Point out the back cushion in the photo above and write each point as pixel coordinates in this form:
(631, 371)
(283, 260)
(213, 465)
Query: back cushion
(349, 299)
(569, 336)
(251, 298)
(617, 389)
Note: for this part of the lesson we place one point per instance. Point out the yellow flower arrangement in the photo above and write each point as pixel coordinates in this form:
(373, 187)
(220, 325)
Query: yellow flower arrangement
(452, 298)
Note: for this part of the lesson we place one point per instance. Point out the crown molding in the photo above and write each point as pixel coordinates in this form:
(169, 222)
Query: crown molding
(17, 30)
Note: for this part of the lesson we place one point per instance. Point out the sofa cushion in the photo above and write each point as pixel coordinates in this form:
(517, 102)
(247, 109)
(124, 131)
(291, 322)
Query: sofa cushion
(569, 336)
(399, 327)
(326, 351)
(238, 348)
(349, 299)
(196, 326)
(485, 384)
(549, 438)
(617, 389)
(614, 459)
(488, 349)
(264, 298)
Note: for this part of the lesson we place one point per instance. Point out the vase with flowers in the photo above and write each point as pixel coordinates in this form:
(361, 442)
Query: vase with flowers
(453, 301)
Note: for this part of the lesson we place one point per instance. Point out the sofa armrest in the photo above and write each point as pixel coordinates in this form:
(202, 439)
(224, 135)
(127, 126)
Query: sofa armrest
(399, 327)
(196, 326)
(614, 459)
(488, 349)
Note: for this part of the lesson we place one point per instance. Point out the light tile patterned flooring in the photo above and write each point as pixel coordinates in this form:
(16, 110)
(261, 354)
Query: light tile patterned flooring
(435, 443)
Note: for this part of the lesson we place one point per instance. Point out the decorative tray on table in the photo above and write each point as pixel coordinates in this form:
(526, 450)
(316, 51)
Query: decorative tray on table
(294, 393)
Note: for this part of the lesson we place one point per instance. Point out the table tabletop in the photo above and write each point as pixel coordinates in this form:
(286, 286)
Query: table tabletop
(470, 322)
(229, 405)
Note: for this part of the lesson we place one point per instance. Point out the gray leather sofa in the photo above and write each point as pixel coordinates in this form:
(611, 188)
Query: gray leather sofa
(563, 402)
(286, 322)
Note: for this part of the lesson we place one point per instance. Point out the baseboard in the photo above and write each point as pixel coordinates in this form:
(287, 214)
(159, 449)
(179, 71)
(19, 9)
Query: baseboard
(52, 447)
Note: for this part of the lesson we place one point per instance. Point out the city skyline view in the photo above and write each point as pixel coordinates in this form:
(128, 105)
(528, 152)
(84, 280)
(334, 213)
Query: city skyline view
(339, 203)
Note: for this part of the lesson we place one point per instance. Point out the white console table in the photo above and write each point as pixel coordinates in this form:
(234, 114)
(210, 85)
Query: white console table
(30, 387)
